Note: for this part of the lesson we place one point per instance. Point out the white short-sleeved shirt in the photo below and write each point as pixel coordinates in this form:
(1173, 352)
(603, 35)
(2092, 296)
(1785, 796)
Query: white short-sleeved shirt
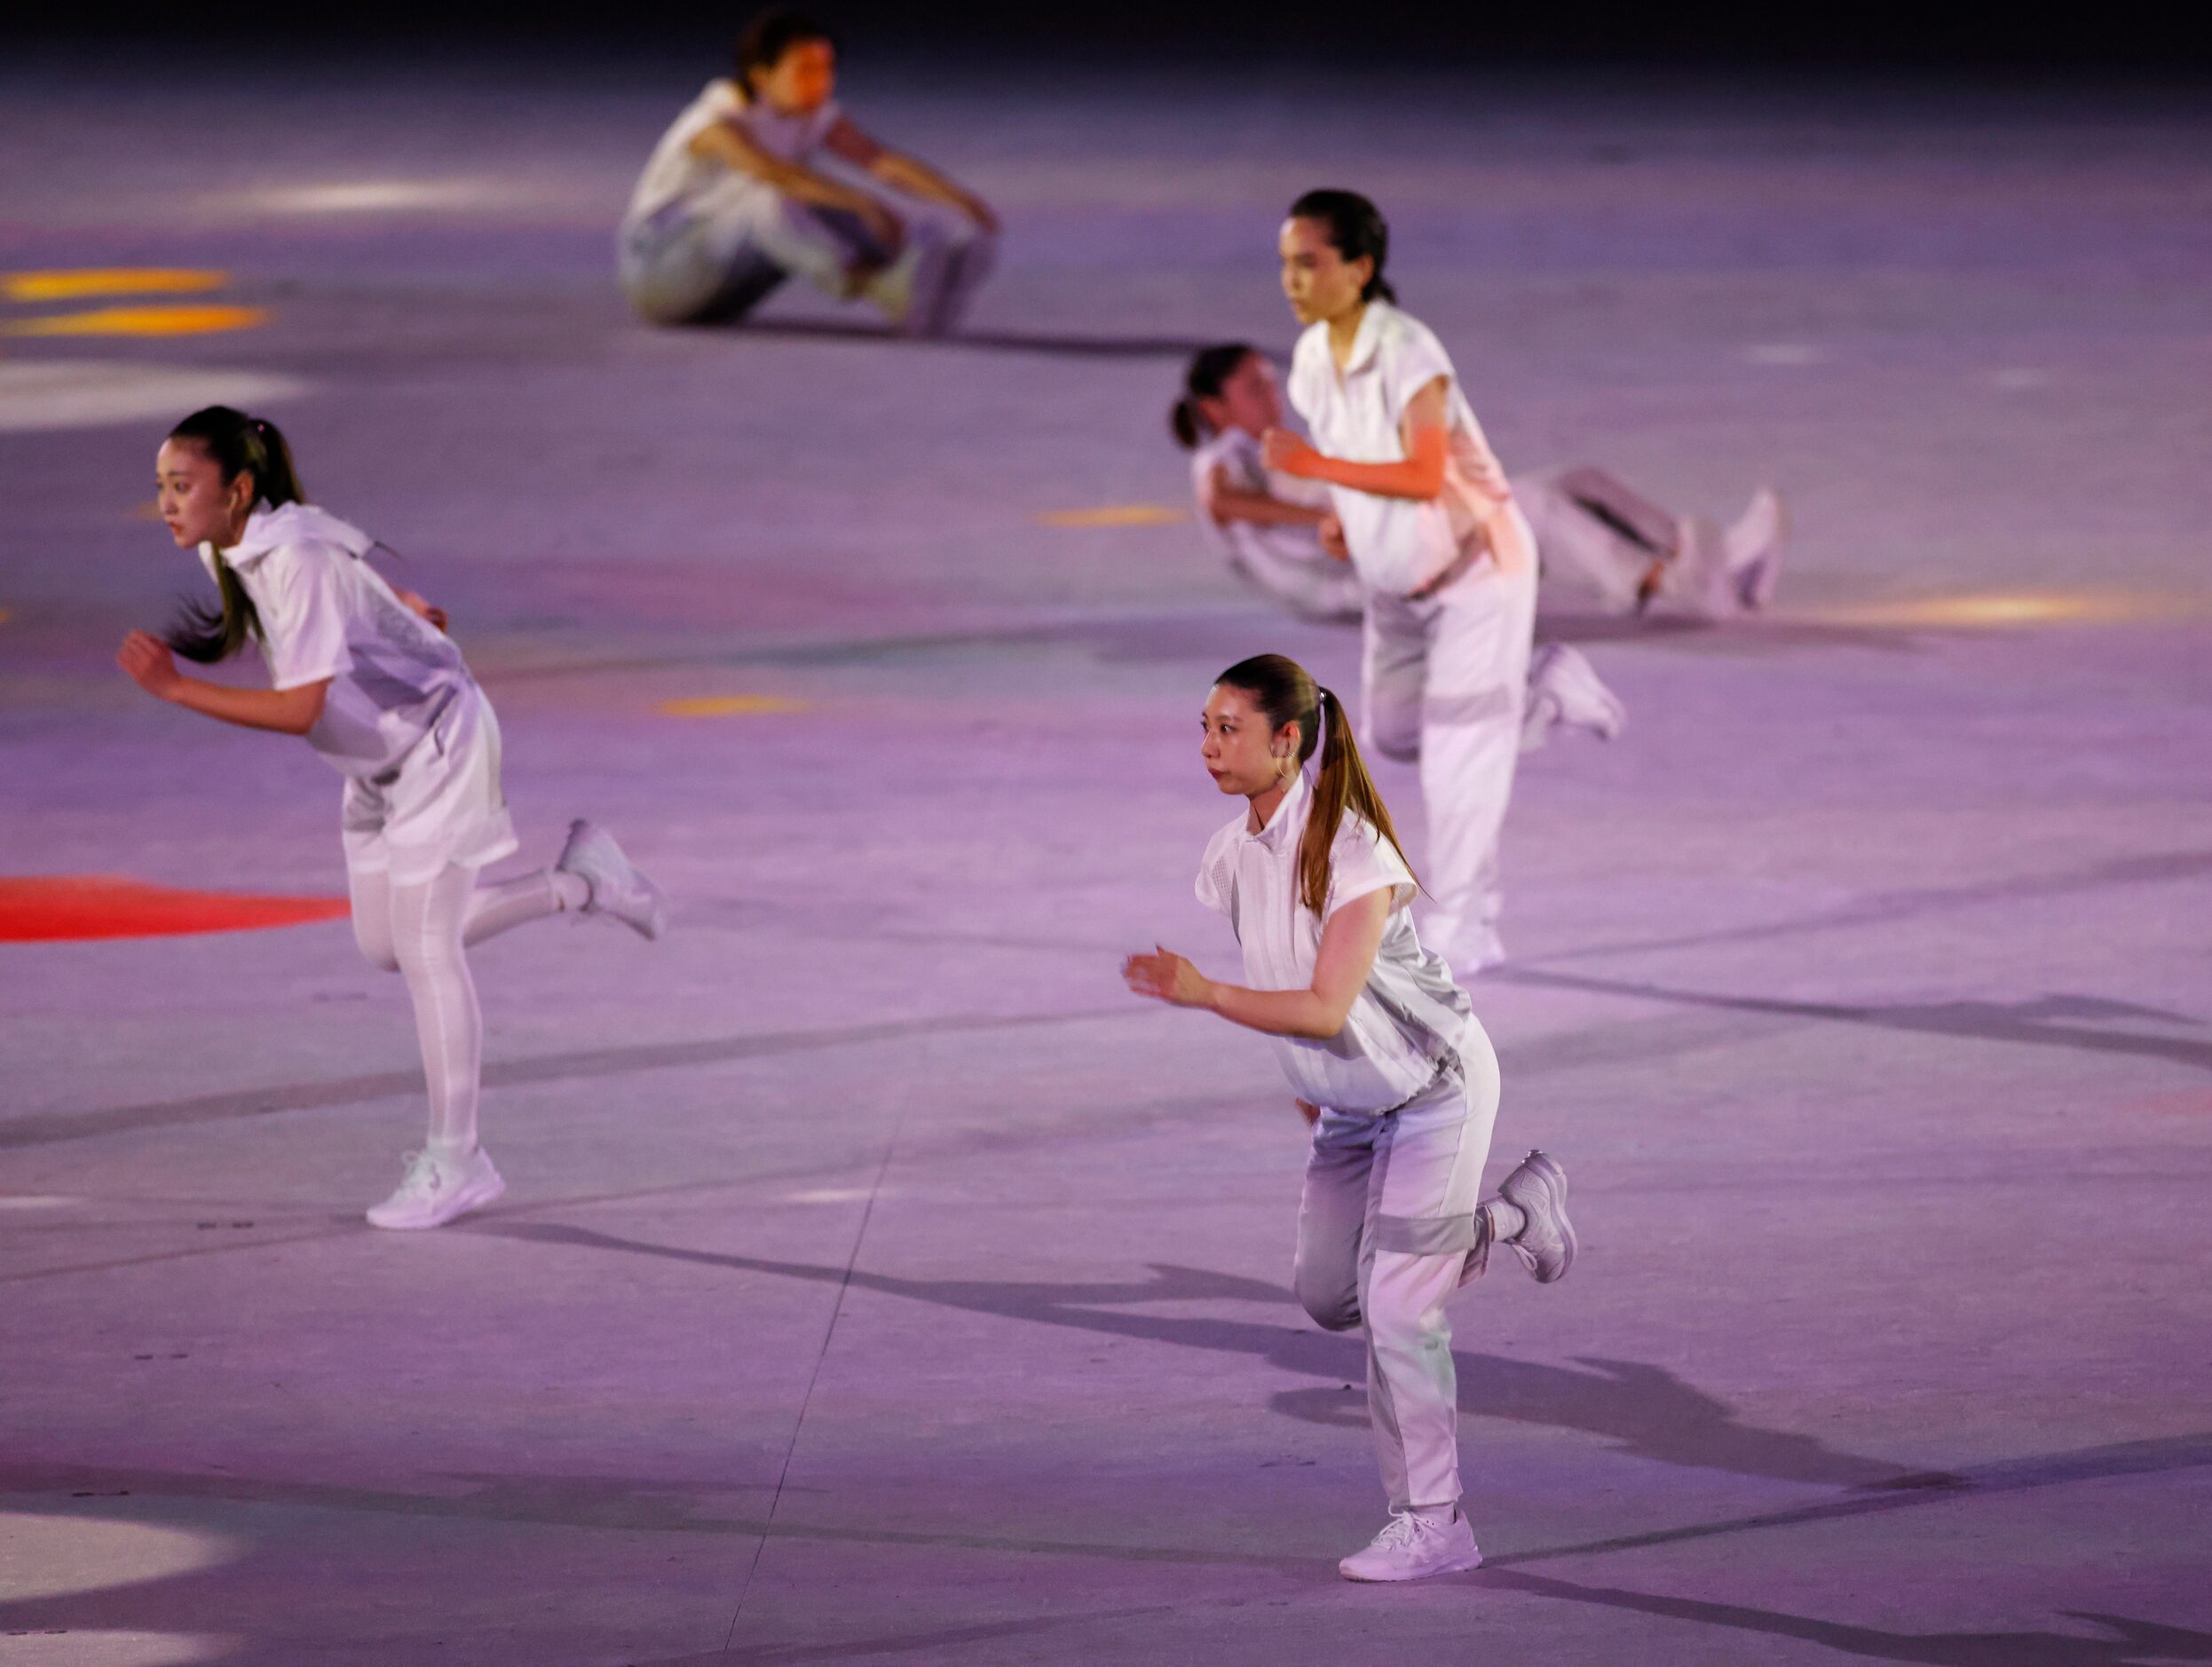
(1287, 562)
(1399, 545)
(1409, 1019)
(325, 612)
(675, 177)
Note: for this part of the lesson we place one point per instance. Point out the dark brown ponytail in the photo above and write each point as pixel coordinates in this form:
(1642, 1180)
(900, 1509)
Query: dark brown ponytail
(1286, 693)
(238, 443)
(1209, 368)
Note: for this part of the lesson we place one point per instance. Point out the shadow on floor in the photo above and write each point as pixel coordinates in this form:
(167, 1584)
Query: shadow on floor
(1646, 1410)
(2127, 1643)
(1883, 908)
(2027, 1021)
(44, 1128)
(1054, 343)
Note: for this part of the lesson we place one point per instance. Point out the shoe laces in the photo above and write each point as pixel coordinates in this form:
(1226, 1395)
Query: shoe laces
(1403, 1529)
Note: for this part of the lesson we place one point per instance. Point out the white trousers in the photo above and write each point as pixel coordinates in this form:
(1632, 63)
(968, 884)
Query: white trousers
(1387, 1231)
(422, 932)
(705, 264)
(1444, 682)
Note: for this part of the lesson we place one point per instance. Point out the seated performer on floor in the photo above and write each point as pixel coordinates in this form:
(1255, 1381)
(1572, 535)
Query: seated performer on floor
(764, 176)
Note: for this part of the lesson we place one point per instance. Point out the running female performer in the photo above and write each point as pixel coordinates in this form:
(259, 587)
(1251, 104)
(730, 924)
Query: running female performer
(1390, 1067)
(1280, 533)
(736, 199)
(366, 676)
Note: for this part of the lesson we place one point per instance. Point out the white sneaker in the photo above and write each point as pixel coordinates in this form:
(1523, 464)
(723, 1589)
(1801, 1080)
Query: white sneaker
(1563, 676)
(1546, 1243)
(434, 1192)
(1413, 1547)
(1540, 715)
(617, 888)
(1484, 950)
(1754, 546)
(910, 289)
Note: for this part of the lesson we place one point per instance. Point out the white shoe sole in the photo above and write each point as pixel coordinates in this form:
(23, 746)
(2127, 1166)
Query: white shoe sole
(1456, 1566)
(472, 1196)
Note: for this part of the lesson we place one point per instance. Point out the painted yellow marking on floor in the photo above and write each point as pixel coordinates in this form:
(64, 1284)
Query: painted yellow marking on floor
(1116, 515)
(182, 321)
(731, 705)
(109, 281)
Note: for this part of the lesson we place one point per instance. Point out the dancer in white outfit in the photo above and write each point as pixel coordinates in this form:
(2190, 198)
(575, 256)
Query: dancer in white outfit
(1281, 535)
(1390, 1068)
(366, 675)
(1448, 558)
(763, 176)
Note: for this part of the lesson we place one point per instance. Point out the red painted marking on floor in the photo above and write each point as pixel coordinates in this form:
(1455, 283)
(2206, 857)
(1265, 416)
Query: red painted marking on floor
(49, 908)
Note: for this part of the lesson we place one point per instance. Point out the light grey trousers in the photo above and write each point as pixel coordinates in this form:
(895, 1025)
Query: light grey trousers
(1387, 1232)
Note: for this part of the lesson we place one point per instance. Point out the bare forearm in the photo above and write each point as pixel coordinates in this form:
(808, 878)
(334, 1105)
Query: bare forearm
(1303, 1013)
(809, 186)
(1258, 507)
(1419, 479)
(284, 711)
(912, 174)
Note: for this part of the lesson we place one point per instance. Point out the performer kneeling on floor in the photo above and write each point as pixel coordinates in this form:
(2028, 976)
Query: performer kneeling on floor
(744, 190)
(1391, 1068)
(366, 676)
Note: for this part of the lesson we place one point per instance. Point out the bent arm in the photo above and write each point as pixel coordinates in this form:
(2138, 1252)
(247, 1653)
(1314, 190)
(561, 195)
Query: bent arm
(1225, 503)
(1349, 940)
(1420, 474)
(903, 172)
(730, 144)
(286, 711)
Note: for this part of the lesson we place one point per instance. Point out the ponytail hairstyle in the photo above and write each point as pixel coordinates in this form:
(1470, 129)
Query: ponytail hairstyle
(238, 443)
(770, 34)
(1286, 693)
(1209, 368)
(1357, 231)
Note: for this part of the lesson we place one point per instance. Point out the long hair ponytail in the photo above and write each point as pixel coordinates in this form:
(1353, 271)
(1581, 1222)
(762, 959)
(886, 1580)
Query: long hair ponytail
(1286, 693)
(237, 444)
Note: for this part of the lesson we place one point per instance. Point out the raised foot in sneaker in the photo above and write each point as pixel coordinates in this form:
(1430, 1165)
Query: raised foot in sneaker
(433, 1191)
(617, 888)
(1545, 1243)
(1413, 1547)
(1563, 676)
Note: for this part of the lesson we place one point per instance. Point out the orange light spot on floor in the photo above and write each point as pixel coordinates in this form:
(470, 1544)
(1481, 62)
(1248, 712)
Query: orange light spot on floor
(1115, 515)
(53, 908)
(731, 706)
(109, 281)
(183, 321)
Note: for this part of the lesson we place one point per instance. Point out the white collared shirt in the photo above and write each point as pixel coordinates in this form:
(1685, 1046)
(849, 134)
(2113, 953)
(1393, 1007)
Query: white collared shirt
(673, 175)
(1410, 1018)
(325, 612)
(1399, 545)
